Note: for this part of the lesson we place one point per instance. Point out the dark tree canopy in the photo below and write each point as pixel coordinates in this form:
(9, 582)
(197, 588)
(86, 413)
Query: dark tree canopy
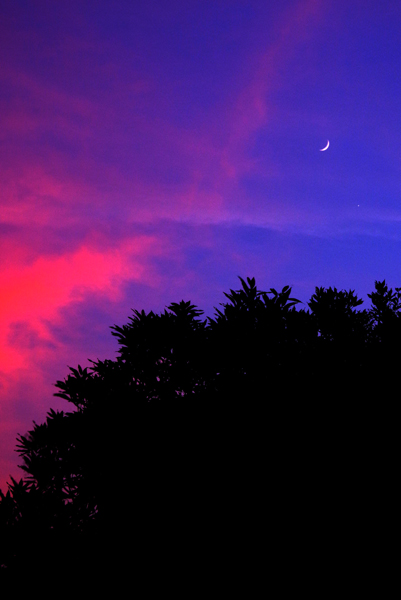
(198, 431)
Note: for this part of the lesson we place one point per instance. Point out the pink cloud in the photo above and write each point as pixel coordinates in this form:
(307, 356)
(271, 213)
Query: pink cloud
(36, 292)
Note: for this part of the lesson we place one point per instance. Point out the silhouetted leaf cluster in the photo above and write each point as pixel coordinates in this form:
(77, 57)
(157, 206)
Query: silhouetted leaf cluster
(162, 439)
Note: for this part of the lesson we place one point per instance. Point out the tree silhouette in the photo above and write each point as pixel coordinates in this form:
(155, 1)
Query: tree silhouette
(171, 441)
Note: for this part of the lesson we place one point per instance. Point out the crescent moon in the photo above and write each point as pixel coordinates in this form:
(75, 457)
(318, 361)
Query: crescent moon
(325, 148)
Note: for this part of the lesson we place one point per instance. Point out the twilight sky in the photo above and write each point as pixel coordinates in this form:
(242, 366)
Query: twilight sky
(151, 152)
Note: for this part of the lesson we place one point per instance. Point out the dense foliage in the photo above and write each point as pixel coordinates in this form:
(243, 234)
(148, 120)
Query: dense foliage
(173, 439)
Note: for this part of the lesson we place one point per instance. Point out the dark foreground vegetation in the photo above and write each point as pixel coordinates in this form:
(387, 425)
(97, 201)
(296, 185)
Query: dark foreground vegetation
(214, 446)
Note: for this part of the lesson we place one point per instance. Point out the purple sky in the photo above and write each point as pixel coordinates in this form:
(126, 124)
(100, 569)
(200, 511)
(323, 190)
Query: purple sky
(151, 152)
